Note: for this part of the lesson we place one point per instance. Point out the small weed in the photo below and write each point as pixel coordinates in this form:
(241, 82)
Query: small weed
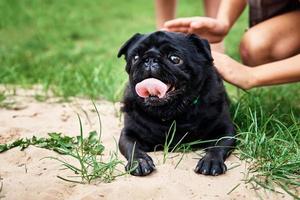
(168, 142)
(40, 97)
(2, 97)
(4, 103)
(181, 147)
(133, 163)
(88, 151)
(56, 142)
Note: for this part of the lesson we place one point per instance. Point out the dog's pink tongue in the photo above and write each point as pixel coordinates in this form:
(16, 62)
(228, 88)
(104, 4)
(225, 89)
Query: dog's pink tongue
(151, 86)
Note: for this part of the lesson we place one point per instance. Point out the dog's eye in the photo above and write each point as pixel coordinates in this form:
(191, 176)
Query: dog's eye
(175, 59)
(135, 58)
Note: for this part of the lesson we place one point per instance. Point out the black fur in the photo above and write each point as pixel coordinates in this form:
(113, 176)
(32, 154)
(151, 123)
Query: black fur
(198, 105)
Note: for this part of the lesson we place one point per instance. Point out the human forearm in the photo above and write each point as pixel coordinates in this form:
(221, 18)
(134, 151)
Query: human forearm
(245, 77)
(279, 72)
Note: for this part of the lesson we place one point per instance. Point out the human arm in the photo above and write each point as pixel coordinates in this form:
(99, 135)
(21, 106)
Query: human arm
(278, 72)
(212, 29)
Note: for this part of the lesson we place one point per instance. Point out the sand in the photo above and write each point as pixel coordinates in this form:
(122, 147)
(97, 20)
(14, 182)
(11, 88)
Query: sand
(25, 175)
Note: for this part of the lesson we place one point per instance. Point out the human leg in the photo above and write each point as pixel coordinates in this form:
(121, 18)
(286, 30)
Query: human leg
(271, 40)
(164, 11)
(211, 8)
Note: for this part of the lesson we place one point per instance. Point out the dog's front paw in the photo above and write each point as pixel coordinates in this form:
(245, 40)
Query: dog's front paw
(211, 165)
(141, 166)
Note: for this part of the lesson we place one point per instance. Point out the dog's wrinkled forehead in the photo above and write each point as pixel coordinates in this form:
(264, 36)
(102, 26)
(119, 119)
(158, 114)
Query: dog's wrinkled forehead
(159, 39)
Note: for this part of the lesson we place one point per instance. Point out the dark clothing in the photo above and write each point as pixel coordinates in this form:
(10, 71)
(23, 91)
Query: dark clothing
(261, 10)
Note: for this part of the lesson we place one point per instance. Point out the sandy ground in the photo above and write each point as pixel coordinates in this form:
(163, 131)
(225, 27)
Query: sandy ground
(25, 176)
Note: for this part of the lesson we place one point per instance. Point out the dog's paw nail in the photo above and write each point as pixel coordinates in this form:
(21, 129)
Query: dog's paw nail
(204, 171)
(214, 173)
(152, 165)
(224, 168)
(196, 169)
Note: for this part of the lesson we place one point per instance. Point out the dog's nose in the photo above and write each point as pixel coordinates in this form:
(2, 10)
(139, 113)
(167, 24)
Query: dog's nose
(151, 64)
(151, 61)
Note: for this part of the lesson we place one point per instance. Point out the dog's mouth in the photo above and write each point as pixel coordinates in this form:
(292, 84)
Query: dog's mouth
(154, 91)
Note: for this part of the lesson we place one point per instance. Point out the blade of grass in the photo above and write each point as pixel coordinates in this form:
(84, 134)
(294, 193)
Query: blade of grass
(99, 120)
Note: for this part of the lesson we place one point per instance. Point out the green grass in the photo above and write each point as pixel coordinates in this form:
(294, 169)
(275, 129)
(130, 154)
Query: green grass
(69, 47)
(167, 148)
(87, 151)
(269, 137)
(56, 142)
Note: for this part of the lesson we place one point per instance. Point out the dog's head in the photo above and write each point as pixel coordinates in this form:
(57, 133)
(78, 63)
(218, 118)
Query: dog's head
(166, 68)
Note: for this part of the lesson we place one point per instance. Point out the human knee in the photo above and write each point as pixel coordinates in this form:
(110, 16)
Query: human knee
(254, 49)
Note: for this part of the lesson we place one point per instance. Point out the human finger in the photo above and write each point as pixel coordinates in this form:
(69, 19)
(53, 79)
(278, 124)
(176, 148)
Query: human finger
(202, 23)
(179, 22)
(179, 29)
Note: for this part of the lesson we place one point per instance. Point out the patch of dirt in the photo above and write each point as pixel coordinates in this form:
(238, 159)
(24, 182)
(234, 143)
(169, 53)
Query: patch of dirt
(25, 175)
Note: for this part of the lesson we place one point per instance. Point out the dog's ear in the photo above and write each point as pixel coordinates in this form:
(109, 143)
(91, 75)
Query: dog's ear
(202, 45)
(123, 50)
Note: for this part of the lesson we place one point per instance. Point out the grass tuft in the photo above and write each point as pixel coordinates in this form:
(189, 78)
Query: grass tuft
(89, 154)
(56, 142)
(269, 141)
(87, 151)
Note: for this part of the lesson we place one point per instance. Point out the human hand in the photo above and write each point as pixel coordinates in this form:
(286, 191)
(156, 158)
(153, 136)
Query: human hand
(234, 72)
(211, 29)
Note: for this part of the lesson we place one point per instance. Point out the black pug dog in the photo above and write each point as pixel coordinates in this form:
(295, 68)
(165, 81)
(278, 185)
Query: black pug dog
(172, 78)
